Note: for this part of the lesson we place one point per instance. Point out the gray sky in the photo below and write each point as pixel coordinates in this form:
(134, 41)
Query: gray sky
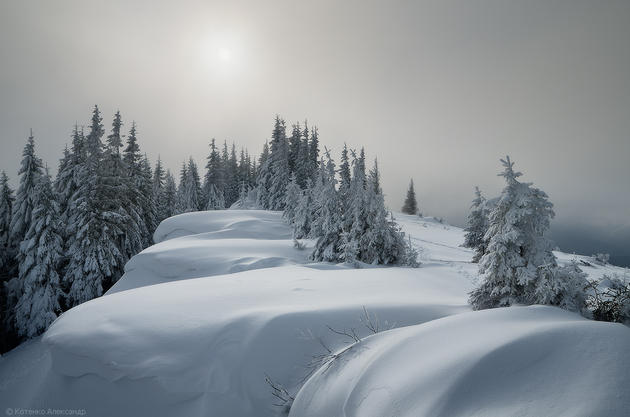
(438, 90)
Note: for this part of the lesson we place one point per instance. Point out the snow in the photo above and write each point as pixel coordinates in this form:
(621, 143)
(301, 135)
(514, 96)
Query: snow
(525, 361)
(224, 298)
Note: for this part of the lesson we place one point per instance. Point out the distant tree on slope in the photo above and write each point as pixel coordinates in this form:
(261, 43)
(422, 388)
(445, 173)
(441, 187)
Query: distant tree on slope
(411, 204)
(6, 248)
(519, 266)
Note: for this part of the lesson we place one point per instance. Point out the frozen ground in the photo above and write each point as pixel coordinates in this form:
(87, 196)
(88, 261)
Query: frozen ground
(224, 298)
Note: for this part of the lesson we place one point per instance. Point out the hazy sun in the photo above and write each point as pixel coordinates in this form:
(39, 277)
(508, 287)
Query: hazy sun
(225, 55)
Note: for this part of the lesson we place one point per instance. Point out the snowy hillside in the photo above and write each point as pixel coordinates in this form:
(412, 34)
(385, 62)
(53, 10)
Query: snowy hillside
(224, 299)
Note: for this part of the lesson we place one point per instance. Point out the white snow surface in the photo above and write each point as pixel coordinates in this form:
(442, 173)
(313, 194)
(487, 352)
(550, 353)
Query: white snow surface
(224, 299)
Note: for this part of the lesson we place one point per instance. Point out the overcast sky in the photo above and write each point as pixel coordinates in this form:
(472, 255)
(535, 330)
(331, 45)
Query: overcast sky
(437, 90)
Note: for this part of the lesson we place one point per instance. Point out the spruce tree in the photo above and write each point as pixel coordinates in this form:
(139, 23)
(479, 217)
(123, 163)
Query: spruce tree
(411, 204)
(279, 156)
(292, 200)
(263, 178)
(477, 226)
(169, 202)
(303, 213)
(329, 221)
(295, 144)
(159, 178)
(7, 249)
(519, 266)
(31, 169)
(95, 231)
(67, 181)
(214, 181)
(313, 153)
(39, 259)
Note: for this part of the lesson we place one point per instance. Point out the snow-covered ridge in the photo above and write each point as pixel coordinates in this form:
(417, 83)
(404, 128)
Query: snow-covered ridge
(186, 332)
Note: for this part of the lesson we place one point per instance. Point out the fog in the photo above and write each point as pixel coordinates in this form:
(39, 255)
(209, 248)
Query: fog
(437, 90)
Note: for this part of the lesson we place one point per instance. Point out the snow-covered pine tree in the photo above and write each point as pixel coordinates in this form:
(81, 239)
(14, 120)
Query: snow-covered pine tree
(214, 182)
(382, 241)
(192, 190)
(31, 169)
(7, 250)
(170, 195)
(295, 144)
(149, 210)
(39, 260)
(263, 178)
(159, 178)
(317, 189)
(67, 181)
(94, 231)
(181, 189)
(232, 184)
(116, 191)
(303, 212)
(328, 218)
(354, 214)
(477, 226)
(411, 204)
(279, 156)
(303, 164)
(292, 199)
(139, 187)
(313, 153)
(519, 266)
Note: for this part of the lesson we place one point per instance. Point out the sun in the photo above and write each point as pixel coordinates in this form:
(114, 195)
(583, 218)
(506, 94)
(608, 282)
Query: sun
(225, 54)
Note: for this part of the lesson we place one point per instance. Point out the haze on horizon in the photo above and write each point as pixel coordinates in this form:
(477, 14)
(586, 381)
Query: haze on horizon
(438, 91)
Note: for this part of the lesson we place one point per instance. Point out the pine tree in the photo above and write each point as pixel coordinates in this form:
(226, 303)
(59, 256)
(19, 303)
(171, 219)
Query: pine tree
(182, 199)
(303, 165)
(328, 218)
(95, 258)
(263, 178)
(31, 170)
(7, 249)
(292, 199)
(354, 214)
(519, 266)
(214, 181)
(67, 181)
(169, 202)
(411, 204)
(303, 213)
(477, 226)
(313, 153)
(279, 156)
(39, 258)
(159, 178)
(295, 144)
(148, 207)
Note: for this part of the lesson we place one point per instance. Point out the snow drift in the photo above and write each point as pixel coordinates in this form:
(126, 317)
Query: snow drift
(224, 298)
(525, 361)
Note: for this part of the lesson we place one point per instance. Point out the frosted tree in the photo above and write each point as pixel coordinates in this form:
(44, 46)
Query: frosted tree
(159, 178)
(192, 199)
(7, 249)
(303, 213)
(279, 156)
(295, 145)
(67, 181)
(214, 180)
(39, 259)
(313, 152)
(328, 215)
(263, 178)
(94, 255)
(215, 199)
(519, 266)
(31, 170)
(232, 184)
(354, 212)
(303, 164)
(292, 199)
(411, 204)
(148, 208)
(477, 226)
(169, 198)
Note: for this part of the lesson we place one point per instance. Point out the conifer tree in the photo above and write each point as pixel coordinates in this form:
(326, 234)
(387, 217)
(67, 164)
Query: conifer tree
(215, 199)
(292, 200)
(169, 202)
(411, 204)
(303, 213)
(519, 266)
(95, 232)
(263, 178)
(159, 178)
(7, 249)
(67, 181)
(31, 169)
(214, 181)
(39, 259)
(328, 246)
(477, 226)
(313, 152)
(295, 144)
(279, 156)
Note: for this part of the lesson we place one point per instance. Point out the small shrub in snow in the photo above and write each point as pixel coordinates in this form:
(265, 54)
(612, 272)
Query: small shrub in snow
(601, 258)
(609, 299)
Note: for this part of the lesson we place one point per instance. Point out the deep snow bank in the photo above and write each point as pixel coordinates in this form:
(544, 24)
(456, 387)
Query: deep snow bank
(202, 347)
(519, 361)
(210, 243)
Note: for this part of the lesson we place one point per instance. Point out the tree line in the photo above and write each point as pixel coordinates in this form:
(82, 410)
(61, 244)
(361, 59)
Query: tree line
(64, 241)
